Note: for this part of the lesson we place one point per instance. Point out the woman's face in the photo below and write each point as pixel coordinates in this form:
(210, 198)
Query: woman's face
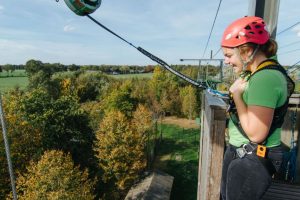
(232, 58)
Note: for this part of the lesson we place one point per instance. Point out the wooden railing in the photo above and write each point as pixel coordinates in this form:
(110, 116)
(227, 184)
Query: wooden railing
(212, 140)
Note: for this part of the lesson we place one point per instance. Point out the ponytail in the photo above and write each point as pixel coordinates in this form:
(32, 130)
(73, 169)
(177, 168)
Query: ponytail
(269, 48)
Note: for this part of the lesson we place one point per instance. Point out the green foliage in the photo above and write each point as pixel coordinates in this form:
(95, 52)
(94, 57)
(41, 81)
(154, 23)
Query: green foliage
(24, 140)
(120, 149)
(93, 108)
(90, 85)
(54, 177)
(189, 101)
(120, 99)
(163, 93)
(297, 87)
(64, 125)
(8, 68)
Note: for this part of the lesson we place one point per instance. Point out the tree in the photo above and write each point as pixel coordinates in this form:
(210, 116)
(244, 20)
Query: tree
(120, 149)
(64, 125)
(24, 140)
(8, 68)
(90, 85)
(121, 99)
(189, 101)
(54, 177)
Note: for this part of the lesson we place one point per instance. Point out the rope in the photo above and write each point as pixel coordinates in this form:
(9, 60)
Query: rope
(161, 62)
(288, 28)
(291, 70)
(10, 168)
(212, 28)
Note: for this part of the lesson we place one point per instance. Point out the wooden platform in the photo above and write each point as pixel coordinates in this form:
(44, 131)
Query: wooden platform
(282, 191)
(156, 186)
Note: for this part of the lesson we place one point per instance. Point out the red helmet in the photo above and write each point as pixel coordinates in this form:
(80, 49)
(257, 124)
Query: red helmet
(244, 30)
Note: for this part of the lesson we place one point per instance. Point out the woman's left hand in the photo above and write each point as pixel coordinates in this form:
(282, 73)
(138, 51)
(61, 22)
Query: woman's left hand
(238, 87)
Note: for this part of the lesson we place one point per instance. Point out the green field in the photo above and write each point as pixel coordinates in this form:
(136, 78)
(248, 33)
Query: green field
(18, 78)
(8, 80)
(177, 155)
(8, 83)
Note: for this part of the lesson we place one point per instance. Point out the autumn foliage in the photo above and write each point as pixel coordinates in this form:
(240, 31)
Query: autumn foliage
(84, 135)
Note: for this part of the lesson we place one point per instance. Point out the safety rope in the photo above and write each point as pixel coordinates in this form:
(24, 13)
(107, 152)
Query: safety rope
(163, 63)
(7, 151)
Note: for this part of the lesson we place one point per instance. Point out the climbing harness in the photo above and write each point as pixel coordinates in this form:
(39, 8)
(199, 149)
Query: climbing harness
(84, 10)
(279, 112)
(260, 149)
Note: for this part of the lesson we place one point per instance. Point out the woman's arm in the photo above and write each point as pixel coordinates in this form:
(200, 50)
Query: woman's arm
(255, 120)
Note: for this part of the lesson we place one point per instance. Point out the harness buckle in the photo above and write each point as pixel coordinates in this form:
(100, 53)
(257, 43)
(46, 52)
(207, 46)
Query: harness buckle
(244, 149)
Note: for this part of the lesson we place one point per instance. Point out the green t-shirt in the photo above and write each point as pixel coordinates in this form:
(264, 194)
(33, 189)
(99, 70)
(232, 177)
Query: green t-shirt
(266, 88)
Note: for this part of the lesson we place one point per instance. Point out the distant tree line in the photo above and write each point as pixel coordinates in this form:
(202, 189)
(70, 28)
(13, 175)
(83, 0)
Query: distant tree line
(107, 69)
(57, 67)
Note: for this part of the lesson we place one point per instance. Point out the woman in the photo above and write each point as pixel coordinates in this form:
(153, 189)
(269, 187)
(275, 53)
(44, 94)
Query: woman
(259, 103)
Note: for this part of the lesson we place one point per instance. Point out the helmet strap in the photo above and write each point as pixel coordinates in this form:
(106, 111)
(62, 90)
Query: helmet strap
(246, 62)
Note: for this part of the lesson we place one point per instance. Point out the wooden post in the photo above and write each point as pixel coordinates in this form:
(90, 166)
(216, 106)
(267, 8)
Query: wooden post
(212, 139)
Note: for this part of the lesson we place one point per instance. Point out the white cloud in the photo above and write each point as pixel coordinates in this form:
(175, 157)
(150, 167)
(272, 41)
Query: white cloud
(69, 28)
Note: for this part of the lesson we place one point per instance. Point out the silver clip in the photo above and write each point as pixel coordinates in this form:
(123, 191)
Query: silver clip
(241, 152)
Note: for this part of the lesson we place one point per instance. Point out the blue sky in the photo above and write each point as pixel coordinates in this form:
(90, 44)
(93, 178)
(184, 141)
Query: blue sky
(170, 29)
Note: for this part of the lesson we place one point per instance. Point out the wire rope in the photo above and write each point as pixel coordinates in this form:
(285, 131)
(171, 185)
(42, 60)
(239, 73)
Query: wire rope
(162, 63)
(288, 28)
(291, 70)
(212, 28)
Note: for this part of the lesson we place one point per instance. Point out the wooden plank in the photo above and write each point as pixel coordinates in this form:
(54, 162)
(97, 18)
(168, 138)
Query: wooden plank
(212, 147)
(282, 191)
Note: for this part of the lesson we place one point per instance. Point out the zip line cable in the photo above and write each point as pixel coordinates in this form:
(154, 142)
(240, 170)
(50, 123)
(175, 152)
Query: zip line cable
(288, 28)
(161, 62)
(7, 151)
(287, 52)
(295, 69)
(290, 44)
(217, 52)
(212, 28)
(149, 55)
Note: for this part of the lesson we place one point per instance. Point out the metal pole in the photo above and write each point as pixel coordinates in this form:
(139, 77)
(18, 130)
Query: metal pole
(268, 10)
(10, 168)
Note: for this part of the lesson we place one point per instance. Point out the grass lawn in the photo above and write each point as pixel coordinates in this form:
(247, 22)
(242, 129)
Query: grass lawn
(10, 80)
(8, 83)
(177, 155)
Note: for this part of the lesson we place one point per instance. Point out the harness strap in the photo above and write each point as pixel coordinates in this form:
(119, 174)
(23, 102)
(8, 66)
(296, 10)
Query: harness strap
(251, 148)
